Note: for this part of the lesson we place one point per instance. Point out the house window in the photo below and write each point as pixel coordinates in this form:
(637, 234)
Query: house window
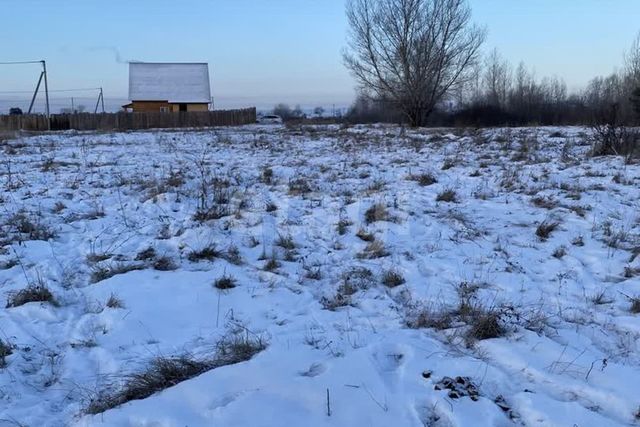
(164, 109)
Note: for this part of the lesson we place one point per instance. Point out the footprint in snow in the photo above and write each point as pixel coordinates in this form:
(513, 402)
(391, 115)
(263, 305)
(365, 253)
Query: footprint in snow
(314, 370)
(389, 360)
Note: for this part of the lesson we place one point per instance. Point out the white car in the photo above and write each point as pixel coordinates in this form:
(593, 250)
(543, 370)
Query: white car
(270, 119)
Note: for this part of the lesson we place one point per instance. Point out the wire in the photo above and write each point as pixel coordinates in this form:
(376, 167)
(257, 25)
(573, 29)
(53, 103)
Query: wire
(58, 90)
(21, 62)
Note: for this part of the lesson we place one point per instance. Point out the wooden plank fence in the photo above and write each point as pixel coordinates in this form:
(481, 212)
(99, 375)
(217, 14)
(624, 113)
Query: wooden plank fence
(128, 121)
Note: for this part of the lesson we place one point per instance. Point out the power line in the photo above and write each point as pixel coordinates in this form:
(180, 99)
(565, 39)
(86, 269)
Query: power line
(57, 90)
(21, 62)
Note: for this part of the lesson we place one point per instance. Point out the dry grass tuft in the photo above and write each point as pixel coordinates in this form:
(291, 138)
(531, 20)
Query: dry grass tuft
(32, 293)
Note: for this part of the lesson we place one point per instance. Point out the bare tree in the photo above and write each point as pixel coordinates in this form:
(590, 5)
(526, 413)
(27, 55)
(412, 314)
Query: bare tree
(632, 62)
(497, 79)
(411, 52)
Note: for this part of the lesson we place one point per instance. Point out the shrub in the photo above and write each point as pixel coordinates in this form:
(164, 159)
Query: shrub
(32, 293)
(635, 305)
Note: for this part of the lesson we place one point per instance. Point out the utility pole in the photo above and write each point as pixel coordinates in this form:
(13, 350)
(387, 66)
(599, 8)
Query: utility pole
(46, 94)
(35, 94)
(100, 100)
(46, 87)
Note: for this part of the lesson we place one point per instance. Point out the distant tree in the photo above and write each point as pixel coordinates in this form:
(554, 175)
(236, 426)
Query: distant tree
(297, 112)
(318, 111)
(497, 79)
(635, 101)
(283, 110)
(411, 52)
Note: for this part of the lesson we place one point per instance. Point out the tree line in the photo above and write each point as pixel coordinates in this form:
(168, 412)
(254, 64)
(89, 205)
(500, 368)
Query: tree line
(419, 62)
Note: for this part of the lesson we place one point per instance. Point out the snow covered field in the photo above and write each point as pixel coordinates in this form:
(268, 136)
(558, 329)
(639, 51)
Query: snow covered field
(378, 277)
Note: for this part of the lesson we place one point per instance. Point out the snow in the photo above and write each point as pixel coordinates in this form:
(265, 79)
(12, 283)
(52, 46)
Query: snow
(569, 354)
(172, 82)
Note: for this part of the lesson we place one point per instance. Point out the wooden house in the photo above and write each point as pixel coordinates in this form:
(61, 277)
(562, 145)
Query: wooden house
(168, 87)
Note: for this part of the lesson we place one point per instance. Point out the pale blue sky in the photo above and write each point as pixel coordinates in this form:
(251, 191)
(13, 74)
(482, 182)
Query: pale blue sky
(265, 51)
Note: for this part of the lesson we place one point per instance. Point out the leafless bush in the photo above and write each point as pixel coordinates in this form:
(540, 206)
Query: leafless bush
(611, 137)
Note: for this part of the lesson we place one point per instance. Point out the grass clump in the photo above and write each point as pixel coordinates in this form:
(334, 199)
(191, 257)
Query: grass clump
(165, 263)
(377, 212)
(5, 350)
(544, 230)
(373, 250)
(285, 242)
(114, 302)
(105, 272)
(209, 253)
(32, 293)
(447, 196)
(164, 372)
(424, 179)
(392, 278)
(225, 282)
(365, 236)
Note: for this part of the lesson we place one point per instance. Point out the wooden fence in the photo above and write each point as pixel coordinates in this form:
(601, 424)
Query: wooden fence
(128, 121)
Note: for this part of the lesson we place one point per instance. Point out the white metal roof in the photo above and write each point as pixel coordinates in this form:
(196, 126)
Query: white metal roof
(173, 82)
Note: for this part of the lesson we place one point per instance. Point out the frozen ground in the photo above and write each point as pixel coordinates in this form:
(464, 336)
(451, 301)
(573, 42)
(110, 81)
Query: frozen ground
(507, 258)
